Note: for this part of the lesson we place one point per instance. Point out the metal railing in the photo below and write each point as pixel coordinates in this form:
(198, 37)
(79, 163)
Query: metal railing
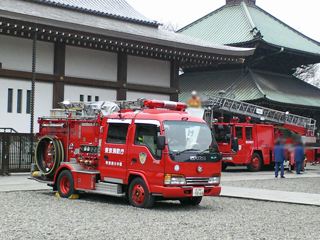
(16, 152)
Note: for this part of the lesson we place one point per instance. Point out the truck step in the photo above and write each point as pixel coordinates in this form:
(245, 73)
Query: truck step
(105, 188)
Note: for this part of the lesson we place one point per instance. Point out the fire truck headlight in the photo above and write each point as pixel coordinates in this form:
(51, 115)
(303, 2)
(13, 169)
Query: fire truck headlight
(215, 179)
(174, 179)
(227, 158)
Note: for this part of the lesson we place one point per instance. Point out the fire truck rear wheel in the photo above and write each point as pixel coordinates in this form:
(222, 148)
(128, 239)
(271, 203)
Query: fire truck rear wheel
(193, 201)
(255, 164)
(66, 184)
(139, 195)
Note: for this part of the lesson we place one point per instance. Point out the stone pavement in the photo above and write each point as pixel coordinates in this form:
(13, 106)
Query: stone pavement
(271, 195)
(20, 182)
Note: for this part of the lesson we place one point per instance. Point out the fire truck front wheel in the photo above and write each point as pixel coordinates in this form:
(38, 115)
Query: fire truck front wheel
(65, 184)
(255, 164)
(193, 201)
(139, 195)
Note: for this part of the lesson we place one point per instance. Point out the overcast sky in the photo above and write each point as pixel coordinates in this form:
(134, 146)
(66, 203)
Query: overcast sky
(299, 14)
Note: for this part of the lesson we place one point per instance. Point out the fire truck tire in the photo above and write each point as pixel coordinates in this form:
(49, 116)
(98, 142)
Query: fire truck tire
(42, 152)
(65, 184)
(192, 201)
(139, 195)
(255, 164)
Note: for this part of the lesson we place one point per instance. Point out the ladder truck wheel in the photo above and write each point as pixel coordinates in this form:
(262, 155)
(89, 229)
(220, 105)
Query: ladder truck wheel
(255, 164)
(48, 155)
(139, 195)
(65, 184)
(192, 201)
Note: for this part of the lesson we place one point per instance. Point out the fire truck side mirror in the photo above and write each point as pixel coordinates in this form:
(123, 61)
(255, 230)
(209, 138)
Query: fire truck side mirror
(235, 144)
(161, 142)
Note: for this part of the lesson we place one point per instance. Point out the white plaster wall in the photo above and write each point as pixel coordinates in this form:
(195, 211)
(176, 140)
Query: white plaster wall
(73, 93)
(16, 54)
(93, 64)
(21, 121)
(148, 71)
(131, 96)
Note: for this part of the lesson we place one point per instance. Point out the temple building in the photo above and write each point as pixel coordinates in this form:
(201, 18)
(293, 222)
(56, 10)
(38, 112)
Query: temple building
(89, 51)
(265, 78)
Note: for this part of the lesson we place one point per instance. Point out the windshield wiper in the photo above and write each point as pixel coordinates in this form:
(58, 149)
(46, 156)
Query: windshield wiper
(206, 150)
(203, 151)
(186, 150)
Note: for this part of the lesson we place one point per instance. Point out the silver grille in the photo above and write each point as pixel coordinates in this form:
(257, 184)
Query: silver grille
(197, 180)
(110, 188)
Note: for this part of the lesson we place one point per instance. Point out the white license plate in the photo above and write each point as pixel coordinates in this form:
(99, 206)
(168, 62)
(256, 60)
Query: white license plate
(197, 192)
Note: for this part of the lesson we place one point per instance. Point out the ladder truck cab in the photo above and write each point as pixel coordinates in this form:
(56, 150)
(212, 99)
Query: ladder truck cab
(251, 144)
(144, 150)
(244, 143)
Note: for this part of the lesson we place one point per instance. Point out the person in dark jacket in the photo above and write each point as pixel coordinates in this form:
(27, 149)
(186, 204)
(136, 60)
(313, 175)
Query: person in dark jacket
(279, 157)
(299, 157)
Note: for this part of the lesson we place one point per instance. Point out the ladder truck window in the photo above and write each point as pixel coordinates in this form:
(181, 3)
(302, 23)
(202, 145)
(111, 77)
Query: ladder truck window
(248, 133)
(222, 133)
(117, 133)
(239, 132)
(146, 135)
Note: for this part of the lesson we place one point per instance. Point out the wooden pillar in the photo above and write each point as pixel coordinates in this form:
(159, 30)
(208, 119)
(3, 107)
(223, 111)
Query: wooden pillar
(174, 79)
(59, 70)
(122, 76)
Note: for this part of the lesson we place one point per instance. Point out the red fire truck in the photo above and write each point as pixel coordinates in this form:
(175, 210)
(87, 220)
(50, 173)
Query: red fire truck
(251, 144)
(156, 152)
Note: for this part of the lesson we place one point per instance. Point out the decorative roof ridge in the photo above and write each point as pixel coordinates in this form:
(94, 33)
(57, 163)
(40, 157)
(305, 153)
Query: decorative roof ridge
(284, 24)
(254, 30)
(95, 12)
(202, 18)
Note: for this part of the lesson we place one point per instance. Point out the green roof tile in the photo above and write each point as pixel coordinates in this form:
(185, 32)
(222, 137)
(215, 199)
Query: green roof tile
(231, 25)
(248, 85)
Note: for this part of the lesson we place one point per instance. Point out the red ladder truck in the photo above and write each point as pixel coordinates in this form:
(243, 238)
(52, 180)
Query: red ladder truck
(144, 150)
(250, 144)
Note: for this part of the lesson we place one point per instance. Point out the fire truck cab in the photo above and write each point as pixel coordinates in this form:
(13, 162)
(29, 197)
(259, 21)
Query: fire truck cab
(156, 152)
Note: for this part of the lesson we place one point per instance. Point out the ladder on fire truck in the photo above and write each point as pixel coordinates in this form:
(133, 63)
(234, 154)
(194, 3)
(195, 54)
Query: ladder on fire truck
(226, 105)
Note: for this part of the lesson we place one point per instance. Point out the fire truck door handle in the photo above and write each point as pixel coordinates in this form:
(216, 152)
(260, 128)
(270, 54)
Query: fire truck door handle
(134, 160)
(106, 157)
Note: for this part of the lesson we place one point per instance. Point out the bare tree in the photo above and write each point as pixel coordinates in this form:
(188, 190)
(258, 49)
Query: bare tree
(309, 73)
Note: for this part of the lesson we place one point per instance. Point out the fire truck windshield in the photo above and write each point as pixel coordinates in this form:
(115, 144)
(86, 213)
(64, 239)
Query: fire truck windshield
(189, 138)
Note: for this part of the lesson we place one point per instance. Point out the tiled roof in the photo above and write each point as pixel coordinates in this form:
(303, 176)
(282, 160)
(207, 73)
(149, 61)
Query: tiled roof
(237, 24)
(81, 21)
(249, 85)
(111, 8)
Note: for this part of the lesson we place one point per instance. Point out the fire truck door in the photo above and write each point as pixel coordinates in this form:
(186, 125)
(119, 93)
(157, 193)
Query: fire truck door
(114, 151)
(143, 154)
(248, 144)
(239, 158)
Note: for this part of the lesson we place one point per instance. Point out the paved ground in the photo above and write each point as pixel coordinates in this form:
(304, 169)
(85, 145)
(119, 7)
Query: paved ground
(39, 214)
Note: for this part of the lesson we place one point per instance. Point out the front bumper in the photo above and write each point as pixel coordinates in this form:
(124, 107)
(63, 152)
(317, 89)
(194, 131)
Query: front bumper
(185, 191)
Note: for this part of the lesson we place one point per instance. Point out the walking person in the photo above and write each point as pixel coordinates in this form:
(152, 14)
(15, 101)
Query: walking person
(299, 157)
(279, 157)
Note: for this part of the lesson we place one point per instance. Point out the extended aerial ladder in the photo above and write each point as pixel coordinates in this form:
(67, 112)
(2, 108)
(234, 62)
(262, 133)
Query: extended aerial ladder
(230, 106)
